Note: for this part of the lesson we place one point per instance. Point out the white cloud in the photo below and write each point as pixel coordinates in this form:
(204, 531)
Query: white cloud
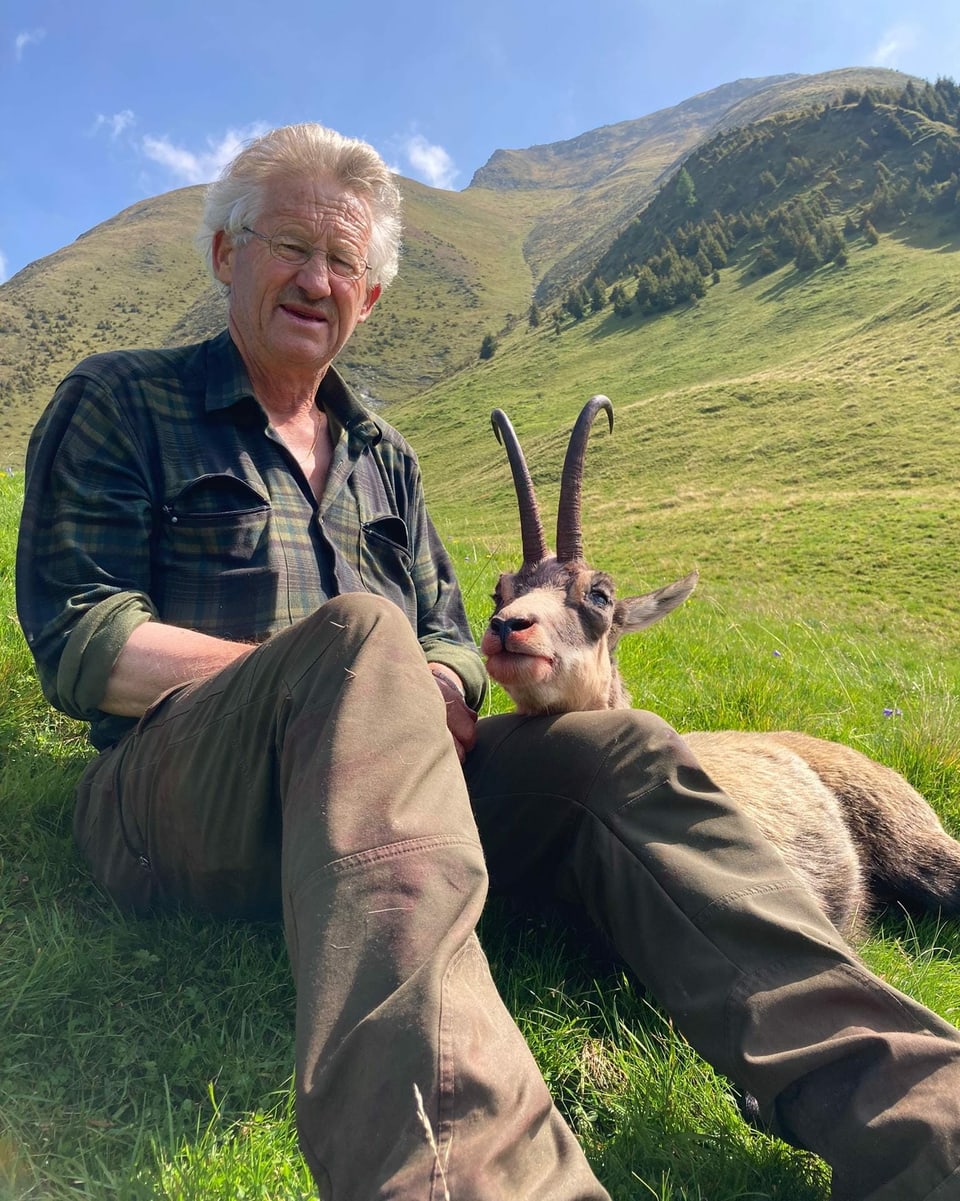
(188, 166)
(894, 44)
(116, 123)
(432, 163)
(29, 37)
(3, 268)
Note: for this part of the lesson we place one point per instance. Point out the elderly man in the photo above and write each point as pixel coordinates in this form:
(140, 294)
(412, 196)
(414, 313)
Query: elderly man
(227, 568)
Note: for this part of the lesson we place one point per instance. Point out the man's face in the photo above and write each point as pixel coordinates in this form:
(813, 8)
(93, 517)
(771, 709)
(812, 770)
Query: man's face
(287, 317)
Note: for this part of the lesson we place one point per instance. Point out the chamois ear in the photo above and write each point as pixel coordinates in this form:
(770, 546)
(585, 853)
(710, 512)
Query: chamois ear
(634, 613)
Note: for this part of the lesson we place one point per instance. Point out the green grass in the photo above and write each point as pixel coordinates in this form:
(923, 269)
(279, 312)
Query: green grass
(143, 1059)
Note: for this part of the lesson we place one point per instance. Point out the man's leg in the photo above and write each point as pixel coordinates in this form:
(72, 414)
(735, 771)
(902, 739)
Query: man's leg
(318, 773)
(612, 811)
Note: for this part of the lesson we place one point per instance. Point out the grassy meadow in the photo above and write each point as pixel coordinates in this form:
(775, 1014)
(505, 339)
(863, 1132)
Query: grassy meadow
(145, 1059)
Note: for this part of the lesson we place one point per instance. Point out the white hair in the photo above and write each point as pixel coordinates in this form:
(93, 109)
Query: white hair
(235, 199)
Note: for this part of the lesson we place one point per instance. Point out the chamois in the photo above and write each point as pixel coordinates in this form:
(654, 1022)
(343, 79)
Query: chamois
(855, 831)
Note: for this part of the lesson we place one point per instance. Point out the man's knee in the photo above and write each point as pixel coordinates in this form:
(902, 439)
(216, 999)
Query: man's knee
(359, 613)
(337, 631)
(588, 744)
(596, 760)
(362, 608)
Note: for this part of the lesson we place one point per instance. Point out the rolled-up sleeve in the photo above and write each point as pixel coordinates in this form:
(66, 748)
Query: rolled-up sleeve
(92, 648)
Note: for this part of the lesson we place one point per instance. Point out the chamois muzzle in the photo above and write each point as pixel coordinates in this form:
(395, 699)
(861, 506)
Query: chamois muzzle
(502, 628)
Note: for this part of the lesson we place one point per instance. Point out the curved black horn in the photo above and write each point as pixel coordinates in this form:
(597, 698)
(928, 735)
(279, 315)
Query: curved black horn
(531, 527)
(569, 532)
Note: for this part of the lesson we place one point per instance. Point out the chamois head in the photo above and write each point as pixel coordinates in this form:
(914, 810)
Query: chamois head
(556, 622)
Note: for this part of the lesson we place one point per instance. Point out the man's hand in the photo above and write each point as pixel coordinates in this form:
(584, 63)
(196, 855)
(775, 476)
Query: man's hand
(461, 720)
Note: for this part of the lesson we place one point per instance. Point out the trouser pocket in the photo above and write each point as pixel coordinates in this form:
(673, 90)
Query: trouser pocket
(113, 847)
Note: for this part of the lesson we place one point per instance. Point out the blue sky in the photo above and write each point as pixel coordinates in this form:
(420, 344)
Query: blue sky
(104, 103)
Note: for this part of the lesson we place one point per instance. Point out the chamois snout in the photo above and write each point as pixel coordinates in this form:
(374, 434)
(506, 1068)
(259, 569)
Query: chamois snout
(503, 627)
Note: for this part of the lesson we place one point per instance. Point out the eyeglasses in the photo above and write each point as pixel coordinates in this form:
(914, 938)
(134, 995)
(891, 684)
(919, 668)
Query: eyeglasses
(291, 250)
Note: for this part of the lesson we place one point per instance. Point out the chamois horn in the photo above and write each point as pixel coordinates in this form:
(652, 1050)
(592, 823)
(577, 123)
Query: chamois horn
(531, 527)
(569, 531)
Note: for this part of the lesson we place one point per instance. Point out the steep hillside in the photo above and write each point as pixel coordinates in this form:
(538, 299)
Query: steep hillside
(473, 260)
(611, 173)
(134, 280)
(875, 157)
(586, 160)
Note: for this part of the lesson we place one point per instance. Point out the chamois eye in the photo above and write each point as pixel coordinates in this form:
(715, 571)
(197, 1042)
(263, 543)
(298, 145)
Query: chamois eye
(598, 598)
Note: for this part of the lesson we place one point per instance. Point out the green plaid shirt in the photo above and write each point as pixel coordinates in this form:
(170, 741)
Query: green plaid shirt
(156, 489)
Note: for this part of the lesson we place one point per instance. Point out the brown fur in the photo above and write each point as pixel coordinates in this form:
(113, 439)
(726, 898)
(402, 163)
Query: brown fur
(855, 831)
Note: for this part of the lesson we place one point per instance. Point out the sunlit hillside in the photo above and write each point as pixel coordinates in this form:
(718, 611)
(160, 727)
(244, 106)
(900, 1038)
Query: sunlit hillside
(794, 436)
(473, 260)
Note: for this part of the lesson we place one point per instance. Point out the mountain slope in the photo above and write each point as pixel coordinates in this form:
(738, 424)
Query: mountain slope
(611, 173)
(794, 436)
(473, 260)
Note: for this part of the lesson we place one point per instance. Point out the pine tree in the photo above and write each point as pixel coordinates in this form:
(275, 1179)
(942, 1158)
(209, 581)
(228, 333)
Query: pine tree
(829, 241)
(647, 285)
(621, 305)
(766, 260)
(807, 258)
(573, 303)
(686, 192)
(713, 249)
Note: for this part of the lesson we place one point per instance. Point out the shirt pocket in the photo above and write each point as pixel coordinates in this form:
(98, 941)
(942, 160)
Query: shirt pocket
(386, 561)
(215, 521)
(215, 573)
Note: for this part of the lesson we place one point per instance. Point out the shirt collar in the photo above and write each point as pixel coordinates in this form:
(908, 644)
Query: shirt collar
(228, 384)
(226, 374)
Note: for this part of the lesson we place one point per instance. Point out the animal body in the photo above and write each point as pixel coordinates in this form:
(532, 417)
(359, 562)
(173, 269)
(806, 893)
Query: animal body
(852, 828)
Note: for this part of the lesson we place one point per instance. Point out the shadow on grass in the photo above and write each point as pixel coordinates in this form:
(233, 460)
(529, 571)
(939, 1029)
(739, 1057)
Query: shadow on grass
(653, 1117)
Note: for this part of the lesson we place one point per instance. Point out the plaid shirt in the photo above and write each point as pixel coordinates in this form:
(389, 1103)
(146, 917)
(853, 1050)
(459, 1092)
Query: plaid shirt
(156, 489)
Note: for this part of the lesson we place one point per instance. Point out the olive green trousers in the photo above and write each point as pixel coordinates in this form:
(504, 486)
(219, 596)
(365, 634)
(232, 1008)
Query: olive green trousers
(316, 778)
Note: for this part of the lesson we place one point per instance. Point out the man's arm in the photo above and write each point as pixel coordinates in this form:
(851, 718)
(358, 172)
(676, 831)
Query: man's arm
(156, 657)
(84, 571)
